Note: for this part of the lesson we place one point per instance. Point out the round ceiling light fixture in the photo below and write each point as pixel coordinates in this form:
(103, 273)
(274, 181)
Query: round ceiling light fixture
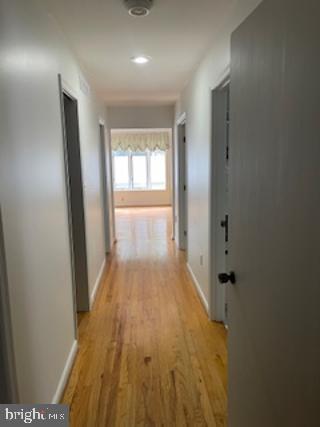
(138, 8)
(141, 59)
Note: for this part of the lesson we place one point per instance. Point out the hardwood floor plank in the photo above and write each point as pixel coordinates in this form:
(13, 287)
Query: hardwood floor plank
(148, 355)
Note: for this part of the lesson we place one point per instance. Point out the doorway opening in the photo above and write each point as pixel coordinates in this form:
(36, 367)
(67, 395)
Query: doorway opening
(142, 169)
(219, 200)
(182, 187)
(75, 201)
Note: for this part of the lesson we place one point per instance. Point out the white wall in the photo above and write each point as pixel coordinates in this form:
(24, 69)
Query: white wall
(122, 117)
(33, 195)
(195, 101)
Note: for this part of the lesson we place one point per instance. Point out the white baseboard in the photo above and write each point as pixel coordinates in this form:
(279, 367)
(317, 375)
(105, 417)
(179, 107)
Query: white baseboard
(97, 284)
(65, 373)
(198, 289)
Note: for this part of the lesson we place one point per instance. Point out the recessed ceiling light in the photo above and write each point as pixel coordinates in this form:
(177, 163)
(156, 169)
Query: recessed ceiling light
(139, 11)
(138, 7)
(141, 59)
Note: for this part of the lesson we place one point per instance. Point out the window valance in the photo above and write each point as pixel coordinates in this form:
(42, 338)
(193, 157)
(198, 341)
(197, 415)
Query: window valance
(140, 140)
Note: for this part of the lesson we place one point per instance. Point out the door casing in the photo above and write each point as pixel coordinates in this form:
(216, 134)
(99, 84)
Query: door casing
(79, 263)
(218, 200)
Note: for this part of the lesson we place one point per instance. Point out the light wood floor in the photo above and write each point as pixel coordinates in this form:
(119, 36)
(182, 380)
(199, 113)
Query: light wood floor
(148, 354)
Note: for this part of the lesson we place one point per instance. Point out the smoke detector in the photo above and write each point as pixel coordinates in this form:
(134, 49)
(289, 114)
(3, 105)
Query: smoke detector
(138, 7)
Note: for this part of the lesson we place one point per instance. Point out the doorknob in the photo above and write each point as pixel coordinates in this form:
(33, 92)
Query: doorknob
(225, 278)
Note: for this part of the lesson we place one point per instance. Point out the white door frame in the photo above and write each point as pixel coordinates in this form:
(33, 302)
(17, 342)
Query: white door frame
(181, 214)
(217, 293)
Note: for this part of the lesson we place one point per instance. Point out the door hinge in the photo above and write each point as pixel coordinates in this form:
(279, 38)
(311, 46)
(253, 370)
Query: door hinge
(227, 152)
(185, 232)
(184, 139)
(225, 224)
(226, 310)
(185, 188)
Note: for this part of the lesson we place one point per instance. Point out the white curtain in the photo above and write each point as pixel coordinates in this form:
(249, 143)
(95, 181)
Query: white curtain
(140, 140)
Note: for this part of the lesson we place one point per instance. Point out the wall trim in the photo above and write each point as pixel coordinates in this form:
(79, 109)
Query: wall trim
(198, 289)
(65, 373)
(97, 284)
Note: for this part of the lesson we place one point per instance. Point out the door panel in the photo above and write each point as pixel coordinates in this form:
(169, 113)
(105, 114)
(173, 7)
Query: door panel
(274, 316)
(104, 187)
(183, 195)
(219, 201)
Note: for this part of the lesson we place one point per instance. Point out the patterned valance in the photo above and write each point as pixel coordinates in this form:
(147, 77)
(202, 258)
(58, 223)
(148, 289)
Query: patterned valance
(140, 140)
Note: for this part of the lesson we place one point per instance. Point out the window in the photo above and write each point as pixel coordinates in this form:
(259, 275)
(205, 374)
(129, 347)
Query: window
(139, 171)
(158, 170)
(121, 171)
(144, 170)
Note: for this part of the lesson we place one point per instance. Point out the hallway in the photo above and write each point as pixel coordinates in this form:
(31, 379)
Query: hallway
(148, 355)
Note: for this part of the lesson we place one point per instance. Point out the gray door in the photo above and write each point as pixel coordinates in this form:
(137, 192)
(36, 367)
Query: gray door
(274, 307)
(77, 226)
(104, 187)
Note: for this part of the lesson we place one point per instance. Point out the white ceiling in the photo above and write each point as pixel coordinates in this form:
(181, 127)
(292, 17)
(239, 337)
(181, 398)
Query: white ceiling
(176, 35)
